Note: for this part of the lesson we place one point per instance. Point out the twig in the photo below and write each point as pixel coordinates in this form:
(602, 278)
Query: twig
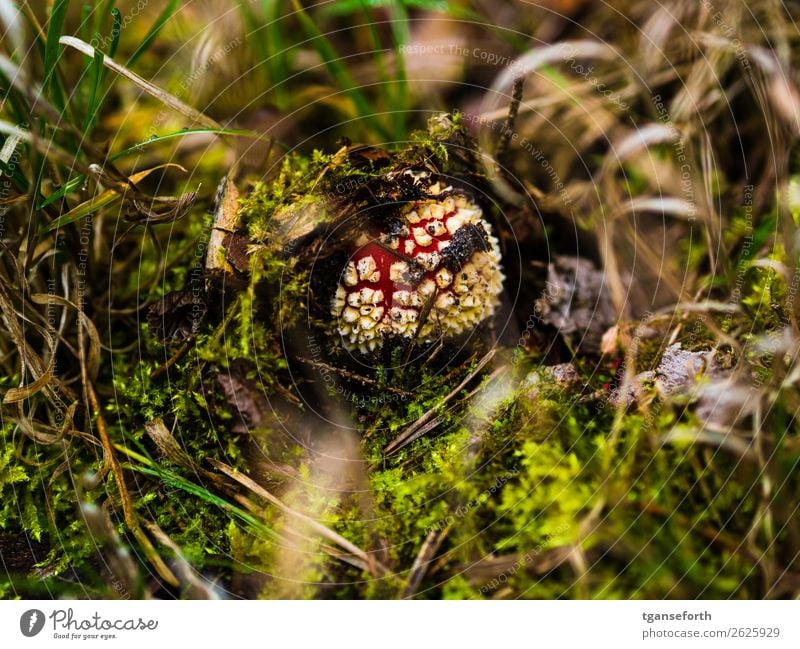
(424, 560)
(347, 374)
(111, 460)
(172, 360)
(401, 440)
(511, 118)
(199, 588)
(427, 428)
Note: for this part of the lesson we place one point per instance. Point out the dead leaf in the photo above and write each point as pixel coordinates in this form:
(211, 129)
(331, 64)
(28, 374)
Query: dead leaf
(244, 399)
(177, 316)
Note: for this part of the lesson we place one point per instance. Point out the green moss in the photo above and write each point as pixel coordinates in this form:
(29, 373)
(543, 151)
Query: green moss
(764, 300)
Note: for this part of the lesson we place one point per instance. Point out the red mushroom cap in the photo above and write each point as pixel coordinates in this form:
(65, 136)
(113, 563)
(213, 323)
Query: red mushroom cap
(398, 282)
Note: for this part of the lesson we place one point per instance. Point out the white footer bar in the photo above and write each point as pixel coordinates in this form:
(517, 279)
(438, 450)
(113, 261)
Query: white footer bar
(406, 625)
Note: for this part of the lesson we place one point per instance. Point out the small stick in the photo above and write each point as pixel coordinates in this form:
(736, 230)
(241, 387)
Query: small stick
(511, 118)
(424, 559)
(397, 442)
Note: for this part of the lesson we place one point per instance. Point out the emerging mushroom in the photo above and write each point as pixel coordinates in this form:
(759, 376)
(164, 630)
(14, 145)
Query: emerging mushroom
(432, 272)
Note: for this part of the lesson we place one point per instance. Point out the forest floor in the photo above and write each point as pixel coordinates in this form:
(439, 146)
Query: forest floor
(179, 416)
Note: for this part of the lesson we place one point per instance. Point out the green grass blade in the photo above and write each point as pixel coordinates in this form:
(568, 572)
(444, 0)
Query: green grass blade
(174, 480)
(52, 81)
(84, 209)
(344, 7)
(102, 10)
(116, 28)
(377, 47)
(167, 136)
(158, 25)
(277, 55)
(67, 188)
(85, 28)
(401, 34)
(93, 103)
(54, 28)
(336, 69)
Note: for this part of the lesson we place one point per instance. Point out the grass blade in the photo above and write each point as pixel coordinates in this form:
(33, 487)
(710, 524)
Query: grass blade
(92, 105)
(339, 72)
(278, 65)
(54, 28)
(377, 47)
(158, 25)
(68, 187)
(172, 479)
(401, 35)
(187, 131)
(116, 28)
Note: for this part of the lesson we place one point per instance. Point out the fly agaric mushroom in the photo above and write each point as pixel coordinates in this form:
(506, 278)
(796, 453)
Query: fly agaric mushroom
(432, 272)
